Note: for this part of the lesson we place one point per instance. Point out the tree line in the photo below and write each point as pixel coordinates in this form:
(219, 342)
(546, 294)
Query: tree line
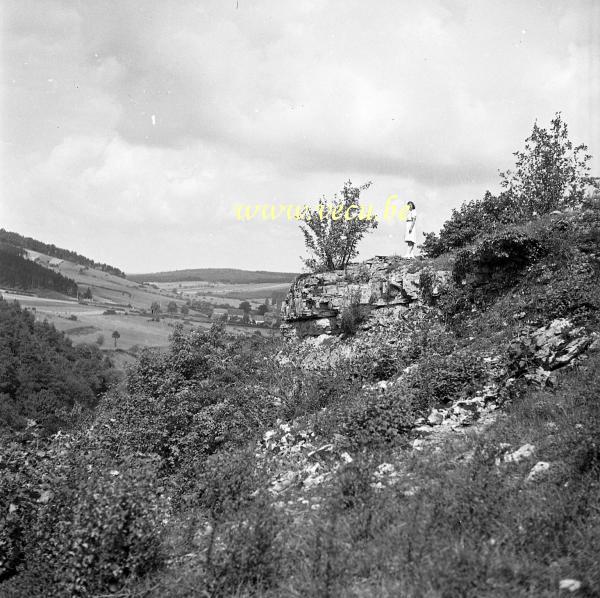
(20, 273)
(18, 240)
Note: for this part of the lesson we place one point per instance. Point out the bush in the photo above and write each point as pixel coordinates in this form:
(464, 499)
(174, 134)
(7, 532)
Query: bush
(378, 419)
(79, 522)
(442, 379)
(100, 530)
(429, 284)
(352, 316)
(549, 174)
(472, 219)
(252, 552)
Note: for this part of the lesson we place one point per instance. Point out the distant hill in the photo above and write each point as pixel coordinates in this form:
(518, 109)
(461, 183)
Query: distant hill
(17, 272)
(18, 240)
(225, 275)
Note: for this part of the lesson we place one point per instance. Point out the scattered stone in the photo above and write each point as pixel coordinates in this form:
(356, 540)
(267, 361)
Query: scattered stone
(524, 452)
(346, 458)
(325, 447)
(284, 482)
(424, 429)
(45, 497)
(418, 444)
(538, 471)
(558, 343)
(571, 585)
(436, 417)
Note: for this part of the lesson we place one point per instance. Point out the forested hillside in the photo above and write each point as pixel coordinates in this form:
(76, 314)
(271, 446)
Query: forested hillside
(17, 272)
(43, 377)
(10, 238)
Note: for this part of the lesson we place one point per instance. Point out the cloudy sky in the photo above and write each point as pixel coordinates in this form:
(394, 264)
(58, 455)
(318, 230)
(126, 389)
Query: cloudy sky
(132, 128)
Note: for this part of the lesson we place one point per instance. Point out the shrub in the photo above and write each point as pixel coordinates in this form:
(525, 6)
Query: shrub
(466, 224)
(378, 419)
(252, 552)
(98, 530)
(443, 379)
(352, 316)
(549, 174)
(429, 284)
(78, 521)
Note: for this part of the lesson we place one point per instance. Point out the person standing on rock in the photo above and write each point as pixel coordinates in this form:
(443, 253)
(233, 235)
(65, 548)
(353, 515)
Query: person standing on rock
(411, 232)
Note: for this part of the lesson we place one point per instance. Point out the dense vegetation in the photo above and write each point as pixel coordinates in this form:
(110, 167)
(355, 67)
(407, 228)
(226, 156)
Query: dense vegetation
(43, 377)
(224, 275)
(10, 238)
(550, 174)
(17, 272)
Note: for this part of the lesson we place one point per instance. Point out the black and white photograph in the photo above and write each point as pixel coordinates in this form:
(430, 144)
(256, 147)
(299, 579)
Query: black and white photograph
(300, 299)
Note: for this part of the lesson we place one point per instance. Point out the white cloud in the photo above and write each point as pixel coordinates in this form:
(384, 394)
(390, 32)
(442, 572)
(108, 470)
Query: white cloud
(148, 121)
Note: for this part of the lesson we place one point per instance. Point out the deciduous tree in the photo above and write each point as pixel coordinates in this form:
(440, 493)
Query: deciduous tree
(333, 229)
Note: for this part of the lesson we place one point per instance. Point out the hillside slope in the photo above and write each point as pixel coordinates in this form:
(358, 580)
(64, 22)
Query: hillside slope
(17, 240)
(444, 445)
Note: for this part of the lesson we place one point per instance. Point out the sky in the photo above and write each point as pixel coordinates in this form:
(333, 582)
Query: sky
(132, 129)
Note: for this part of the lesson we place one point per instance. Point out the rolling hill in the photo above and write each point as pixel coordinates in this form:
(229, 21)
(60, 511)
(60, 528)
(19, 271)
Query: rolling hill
(223, 275)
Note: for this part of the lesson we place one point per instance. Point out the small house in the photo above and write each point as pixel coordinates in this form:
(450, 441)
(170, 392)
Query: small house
(220, 314)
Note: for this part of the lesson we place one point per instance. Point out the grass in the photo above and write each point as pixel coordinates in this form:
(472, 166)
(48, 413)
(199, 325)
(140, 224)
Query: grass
(474, 528)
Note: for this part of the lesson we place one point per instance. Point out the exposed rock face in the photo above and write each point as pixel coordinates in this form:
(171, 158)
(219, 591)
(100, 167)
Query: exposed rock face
(315, 302)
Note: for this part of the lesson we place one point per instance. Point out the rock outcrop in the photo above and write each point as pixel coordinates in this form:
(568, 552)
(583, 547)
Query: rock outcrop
(315, 302)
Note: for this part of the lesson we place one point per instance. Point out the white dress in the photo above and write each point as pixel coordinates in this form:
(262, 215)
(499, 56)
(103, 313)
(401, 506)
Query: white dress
(411, 236)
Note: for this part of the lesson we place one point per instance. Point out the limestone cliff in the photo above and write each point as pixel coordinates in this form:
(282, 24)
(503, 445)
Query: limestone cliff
(315, 302)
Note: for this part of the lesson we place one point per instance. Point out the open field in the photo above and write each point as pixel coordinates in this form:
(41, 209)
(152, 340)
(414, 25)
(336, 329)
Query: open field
(85, 323)
(127, 303)
(108, 289)
(219, 292)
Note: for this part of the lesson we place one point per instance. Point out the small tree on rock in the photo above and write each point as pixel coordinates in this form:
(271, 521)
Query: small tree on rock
(116, 335)
(333, 229)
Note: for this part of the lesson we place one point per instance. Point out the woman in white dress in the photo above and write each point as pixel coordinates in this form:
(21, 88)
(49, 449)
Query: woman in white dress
(411, 231)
